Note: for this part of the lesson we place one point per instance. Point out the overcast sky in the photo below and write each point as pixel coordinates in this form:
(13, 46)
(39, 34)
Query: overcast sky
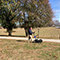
(55, 5)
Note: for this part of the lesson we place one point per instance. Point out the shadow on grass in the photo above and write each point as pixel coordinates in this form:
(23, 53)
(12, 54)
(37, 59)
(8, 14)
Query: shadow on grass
(12, 36)
(21, 40)
(35, 41)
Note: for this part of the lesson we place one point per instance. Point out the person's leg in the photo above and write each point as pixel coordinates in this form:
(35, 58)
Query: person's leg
(31, 38)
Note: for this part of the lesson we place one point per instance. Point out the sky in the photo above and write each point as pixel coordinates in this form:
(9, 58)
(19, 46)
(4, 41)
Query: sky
(55, 5)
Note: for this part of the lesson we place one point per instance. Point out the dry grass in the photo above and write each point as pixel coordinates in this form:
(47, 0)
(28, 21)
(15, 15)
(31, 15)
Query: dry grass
(18, 50)
(16, 32)
(47, 32)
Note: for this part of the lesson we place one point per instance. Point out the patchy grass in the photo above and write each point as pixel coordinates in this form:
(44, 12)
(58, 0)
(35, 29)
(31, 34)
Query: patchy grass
(19, 50)
(47, 32)
(16, 32)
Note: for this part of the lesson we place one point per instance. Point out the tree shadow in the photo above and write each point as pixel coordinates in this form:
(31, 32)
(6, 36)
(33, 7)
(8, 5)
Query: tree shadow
(17, 36)
(3, 35)
(21, 40)
(13, 36)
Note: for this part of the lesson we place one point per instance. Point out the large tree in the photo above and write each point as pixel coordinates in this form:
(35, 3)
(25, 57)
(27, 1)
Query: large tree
(35, 13)
(8, 14)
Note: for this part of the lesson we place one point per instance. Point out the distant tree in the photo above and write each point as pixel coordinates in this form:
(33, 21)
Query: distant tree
(50, 24)
(57, 23)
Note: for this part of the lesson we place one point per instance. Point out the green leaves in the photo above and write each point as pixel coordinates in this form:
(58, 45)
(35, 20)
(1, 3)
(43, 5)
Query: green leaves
(8, 13)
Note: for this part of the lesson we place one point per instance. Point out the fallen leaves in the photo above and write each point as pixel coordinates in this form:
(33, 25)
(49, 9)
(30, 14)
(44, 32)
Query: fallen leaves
(10, 59)
(3, 58)
(56, 56)
(0, 49)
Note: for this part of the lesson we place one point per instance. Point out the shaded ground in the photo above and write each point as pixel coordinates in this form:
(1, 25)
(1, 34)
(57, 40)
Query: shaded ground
(21, 50)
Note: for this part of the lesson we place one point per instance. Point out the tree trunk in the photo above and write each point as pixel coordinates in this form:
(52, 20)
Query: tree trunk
(26, 32)
(9, 32)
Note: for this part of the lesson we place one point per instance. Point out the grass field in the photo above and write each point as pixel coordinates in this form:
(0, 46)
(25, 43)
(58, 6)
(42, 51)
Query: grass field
(21, 50)
(47, 32)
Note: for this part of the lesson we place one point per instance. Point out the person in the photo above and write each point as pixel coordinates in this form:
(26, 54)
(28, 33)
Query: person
(30, 34)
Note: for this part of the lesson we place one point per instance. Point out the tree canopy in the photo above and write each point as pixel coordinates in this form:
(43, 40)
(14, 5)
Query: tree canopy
(39, 13)
(8, 14)
(34, 13)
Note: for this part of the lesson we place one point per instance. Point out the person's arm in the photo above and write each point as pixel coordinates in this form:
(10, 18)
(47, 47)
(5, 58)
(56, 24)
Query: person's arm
(31, 31)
